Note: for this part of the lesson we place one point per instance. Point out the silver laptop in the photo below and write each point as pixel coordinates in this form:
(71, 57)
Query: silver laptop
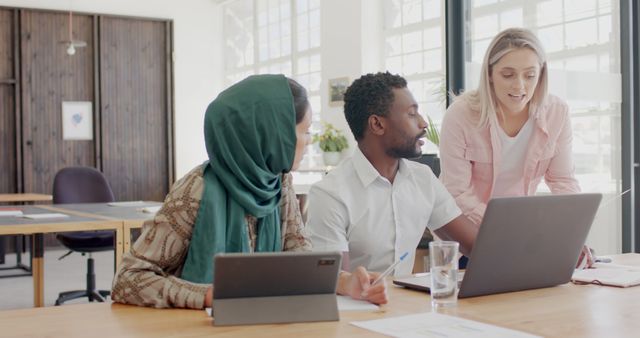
(524, 243)
(282, 287)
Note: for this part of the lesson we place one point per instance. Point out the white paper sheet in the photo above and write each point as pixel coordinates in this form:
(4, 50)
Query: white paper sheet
(615, 266)
(431, 324)
(44, 216)
(151, 210)
(127, 204)
(10, 213)
(346, 303)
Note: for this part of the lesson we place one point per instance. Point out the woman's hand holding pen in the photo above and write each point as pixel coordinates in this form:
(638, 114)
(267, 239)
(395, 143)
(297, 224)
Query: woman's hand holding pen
(208, 298)
(358, 285)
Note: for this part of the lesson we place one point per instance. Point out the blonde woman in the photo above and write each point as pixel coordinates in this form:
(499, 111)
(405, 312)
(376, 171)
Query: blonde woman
(502, 138)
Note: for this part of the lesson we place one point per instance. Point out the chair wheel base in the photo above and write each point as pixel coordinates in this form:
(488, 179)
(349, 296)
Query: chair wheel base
(93, 295)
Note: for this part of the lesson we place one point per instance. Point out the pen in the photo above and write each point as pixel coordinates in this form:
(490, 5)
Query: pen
(389, 269)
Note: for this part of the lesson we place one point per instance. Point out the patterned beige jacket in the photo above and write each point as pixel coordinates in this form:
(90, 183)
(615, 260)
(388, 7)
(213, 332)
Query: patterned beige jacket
(149, 275)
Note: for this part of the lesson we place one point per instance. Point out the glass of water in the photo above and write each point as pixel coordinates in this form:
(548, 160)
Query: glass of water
(443, 256)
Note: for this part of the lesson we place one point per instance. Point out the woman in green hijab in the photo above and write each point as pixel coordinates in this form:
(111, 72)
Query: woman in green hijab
(240, 200)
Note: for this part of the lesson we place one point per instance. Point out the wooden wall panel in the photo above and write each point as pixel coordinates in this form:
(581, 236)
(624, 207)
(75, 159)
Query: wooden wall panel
(8, 156)
(7, 139)
(133, 86)
(50, 76)
(6, 45)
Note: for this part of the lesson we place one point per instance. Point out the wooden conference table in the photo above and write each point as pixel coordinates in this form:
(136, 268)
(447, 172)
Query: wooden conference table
(81, 217)
(12, 199)
(562, 311)
(131, 216)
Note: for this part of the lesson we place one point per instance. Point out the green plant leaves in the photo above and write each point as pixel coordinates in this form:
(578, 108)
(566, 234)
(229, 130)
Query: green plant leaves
(331, 139)
(432, 132)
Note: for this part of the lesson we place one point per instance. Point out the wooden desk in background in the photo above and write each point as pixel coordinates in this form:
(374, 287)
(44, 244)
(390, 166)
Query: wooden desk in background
(38, 227)
(562, 311)
(19, 198)
(82, 217)
(131, 217)
(24, 198)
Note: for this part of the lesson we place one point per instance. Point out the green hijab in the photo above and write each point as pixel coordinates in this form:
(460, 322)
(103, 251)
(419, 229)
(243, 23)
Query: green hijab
(249, 131)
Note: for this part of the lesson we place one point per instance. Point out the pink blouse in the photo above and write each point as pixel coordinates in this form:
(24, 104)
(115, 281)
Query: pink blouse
(471, 156)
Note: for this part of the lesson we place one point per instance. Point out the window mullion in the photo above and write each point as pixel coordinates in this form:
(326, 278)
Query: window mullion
(294, 38)
(256, 39)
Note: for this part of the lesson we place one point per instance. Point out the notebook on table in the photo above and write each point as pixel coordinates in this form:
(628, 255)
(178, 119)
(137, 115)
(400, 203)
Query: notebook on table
(609, 274)
(421, 281)
(524, 243)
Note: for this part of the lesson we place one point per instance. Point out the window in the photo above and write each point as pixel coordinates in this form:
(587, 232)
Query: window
(275, 36)
(414, 47)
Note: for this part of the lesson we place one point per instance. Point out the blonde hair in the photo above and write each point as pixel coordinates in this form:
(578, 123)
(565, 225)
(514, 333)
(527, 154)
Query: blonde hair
(483, 98)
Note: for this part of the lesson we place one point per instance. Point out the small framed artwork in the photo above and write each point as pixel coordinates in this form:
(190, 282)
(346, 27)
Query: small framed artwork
(337, 87)
(77, 120)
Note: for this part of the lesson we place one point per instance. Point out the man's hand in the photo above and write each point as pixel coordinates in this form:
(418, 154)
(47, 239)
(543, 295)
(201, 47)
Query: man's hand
(357, 285)
(585, 260)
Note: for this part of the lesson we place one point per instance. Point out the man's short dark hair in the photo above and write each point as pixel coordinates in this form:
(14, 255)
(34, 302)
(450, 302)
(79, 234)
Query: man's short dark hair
(371, 94)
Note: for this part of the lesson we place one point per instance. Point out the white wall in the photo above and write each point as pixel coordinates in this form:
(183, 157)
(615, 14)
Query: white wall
(197, 59)
(341, 54)
(350, 47)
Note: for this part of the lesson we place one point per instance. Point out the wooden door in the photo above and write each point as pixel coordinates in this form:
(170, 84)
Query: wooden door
(49, 77)
(135, 106)
(8, 83)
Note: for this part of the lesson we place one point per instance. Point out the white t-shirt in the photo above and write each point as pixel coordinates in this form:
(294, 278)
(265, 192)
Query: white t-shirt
(355, 209)
(510, 179)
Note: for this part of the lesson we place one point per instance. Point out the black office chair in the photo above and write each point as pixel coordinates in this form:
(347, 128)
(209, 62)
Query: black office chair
(432, 160)
(83, 185)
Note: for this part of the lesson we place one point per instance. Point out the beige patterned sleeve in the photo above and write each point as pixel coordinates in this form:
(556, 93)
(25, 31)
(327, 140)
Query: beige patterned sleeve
(294, 235)
(147, 275)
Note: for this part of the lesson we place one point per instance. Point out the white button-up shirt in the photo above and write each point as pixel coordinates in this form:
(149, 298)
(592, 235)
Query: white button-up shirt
(354, 209)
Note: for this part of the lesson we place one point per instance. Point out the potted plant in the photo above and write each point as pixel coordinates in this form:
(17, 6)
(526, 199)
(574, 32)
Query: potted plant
(332, 142)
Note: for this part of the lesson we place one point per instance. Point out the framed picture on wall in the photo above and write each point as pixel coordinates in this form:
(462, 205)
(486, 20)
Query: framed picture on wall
(337, 87)
(77, 120)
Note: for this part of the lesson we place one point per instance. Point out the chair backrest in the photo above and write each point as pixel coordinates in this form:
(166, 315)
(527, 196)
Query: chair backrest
(81, 185)
(432, 160)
